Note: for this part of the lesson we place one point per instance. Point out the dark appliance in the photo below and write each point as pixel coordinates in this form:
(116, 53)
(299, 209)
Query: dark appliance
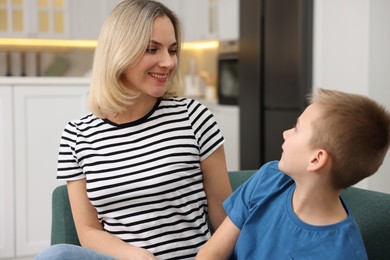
(228, 85)
(274, 74)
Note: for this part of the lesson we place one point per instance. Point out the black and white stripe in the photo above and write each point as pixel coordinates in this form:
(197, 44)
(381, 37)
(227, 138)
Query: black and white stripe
(144, 177)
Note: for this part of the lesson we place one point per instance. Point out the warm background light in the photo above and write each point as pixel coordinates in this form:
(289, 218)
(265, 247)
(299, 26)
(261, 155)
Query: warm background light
(16, 44)
(200, 45)
(44, 45)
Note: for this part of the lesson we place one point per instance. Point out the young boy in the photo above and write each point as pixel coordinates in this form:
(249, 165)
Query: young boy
(291, 209)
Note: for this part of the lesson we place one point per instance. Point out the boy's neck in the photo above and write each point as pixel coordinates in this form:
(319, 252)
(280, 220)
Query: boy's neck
(318, 206)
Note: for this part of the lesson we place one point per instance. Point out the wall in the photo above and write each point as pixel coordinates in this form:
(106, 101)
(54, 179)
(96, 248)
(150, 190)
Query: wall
(351, 38)
(379, 73)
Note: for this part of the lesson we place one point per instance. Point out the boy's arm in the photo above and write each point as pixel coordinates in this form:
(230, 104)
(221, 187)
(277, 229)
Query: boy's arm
(221, 244)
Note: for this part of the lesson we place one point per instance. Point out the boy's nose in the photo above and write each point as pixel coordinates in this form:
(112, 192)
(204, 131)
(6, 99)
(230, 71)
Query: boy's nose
(285, 133)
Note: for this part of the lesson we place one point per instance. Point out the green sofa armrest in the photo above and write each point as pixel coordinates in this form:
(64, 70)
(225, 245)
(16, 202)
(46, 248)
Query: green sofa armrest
(371, 210)
(237, 178)
(63, 230)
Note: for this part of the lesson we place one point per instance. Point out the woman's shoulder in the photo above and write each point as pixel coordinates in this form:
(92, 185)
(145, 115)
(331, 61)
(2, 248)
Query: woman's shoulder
(86, 121)
(180, 100)
(189, 103)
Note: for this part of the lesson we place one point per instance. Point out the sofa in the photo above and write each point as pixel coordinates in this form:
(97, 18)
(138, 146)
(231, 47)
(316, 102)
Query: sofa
(371, 210)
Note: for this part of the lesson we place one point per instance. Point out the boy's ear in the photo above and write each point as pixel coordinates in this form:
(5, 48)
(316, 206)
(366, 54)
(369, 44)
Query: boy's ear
(319, 160)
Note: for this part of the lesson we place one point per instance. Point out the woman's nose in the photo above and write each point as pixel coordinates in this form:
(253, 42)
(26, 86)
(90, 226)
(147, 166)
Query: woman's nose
(168, 60)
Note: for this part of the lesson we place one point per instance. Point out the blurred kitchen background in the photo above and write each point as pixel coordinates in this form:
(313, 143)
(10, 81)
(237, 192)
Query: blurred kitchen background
(252, 62)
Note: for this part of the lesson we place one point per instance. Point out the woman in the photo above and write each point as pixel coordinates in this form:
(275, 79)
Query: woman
(145, 169)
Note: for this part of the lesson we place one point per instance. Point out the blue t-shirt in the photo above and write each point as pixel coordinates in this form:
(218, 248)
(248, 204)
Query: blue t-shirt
(262, 209)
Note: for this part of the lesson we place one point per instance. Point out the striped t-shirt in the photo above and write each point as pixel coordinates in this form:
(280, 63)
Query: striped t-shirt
(144, 177)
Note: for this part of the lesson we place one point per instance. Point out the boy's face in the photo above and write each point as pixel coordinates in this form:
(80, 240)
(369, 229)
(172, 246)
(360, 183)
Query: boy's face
(297, 153)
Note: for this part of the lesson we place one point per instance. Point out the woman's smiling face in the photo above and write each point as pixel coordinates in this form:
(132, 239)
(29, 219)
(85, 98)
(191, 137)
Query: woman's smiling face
(150, 76)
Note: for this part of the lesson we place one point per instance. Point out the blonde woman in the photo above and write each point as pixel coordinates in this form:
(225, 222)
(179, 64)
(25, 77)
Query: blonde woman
(146, 169)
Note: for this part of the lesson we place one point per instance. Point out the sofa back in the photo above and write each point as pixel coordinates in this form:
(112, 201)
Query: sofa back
(371, 210)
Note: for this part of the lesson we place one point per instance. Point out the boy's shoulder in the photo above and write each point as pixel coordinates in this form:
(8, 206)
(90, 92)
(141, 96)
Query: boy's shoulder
(270, 177)
(271, 166)
(270, 170)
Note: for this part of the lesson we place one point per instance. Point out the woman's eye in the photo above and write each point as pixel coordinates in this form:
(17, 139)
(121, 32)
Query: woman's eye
(173, 52)
(151, 50)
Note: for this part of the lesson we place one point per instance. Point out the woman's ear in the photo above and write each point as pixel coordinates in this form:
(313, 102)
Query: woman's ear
(318, 161)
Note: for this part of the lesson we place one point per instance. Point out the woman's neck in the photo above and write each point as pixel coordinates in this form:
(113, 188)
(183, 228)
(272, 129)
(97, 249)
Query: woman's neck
(140, 108)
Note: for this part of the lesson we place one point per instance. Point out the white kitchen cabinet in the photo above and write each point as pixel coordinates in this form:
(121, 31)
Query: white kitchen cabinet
(207, 19)
(84, 25)
(228, 20)
(6, 174)
(12, 17)
(36, 115)
(197, 17)
(228, 119)
(74, 19)
(34, 19)
(174, 5)
(54, 19)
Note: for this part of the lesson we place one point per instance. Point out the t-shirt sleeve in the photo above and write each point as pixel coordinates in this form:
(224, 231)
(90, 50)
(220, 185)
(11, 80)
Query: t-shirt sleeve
(206, 130)
(266, 182)
(238, 204)
(68, 167)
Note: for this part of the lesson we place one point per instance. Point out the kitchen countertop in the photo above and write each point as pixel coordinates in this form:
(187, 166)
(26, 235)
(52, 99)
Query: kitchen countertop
(44, 81)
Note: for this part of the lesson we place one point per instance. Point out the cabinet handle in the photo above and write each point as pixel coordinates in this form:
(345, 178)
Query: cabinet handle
(213, 15)
(8, 63)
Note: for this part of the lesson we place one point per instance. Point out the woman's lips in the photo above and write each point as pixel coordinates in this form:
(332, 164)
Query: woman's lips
(159, 76)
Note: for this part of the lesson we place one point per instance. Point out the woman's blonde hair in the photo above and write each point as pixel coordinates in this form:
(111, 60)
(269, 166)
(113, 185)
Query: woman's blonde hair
(123, 40)
(355, 131)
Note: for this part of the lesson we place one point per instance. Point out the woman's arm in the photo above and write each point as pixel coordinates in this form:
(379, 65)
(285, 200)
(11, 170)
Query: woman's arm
(216, 185)
(221, 244)
(90, 231)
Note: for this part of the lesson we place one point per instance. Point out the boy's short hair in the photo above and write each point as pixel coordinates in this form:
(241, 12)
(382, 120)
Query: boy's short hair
(355, 131)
